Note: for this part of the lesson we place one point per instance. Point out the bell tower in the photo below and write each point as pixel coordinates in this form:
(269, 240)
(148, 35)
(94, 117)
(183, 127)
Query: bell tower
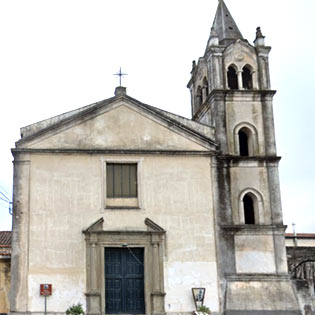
(230, 91)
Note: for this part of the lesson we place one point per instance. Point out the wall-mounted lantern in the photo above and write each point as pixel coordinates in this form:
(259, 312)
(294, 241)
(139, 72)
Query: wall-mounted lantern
(199, 295)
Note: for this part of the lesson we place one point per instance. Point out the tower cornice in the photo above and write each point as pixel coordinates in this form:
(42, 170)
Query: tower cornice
(233, 95)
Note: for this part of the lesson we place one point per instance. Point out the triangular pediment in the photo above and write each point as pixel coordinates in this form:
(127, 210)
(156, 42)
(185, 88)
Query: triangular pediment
(240, 45)
(240, 53)
(121, 125)
(152, 226)
(96, 226)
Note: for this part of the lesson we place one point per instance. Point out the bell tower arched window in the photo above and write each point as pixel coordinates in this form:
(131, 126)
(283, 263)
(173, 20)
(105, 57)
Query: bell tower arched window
(198, 97)
(232, 78)
(205, 89)
(244, 139)
(249, 209)
(247, 78)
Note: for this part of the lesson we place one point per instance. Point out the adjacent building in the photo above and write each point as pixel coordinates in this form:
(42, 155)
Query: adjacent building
(5, 260)
(301, 261)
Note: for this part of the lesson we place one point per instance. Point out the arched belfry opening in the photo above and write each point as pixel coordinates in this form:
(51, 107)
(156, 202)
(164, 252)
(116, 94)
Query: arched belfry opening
(205, 89)
(244, 139)
(198, 97)
(232, 78)
(249, 209)
(247, 78)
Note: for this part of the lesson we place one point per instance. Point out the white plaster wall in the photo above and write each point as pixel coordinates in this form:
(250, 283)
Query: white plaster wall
(66, 287)
(181, 277)
(254, 253)
(66, 197)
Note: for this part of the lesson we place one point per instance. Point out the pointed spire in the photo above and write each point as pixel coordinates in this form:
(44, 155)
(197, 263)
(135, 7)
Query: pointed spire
(224, 25)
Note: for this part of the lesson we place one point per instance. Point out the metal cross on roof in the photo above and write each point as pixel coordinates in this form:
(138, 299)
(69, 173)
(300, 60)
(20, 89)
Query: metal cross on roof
(120, 74)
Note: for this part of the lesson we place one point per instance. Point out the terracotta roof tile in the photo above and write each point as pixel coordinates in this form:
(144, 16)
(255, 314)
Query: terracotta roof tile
(5, 239)
(5, 243)
(300, 235)
(5, 252)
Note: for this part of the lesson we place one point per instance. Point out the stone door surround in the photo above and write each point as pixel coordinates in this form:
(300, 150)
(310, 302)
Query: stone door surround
(152, 240)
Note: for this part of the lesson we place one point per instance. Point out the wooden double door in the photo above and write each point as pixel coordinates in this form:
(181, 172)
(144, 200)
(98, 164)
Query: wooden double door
(124, 280)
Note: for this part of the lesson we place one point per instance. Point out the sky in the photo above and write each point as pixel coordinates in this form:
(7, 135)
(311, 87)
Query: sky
(59, 55)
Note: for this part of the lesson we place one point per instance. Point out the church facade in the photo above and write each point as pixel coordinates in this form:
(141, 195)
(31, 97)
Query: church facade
(125, 208)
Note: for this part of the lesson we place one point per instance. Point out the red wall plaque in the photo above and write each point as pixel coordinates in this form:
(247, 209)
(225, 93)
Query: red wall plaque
(45, 289)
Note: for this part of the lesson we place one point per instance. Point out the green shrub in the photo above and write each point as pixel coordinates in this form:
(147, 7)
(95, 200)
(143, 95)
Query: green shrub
(75, 310)
(204, 309)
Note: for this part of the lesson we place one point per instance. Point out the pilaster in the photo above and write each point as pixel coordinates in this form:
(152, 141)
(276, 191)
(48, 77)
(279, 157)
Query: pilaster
(225, 247)
(263, 65)
(217, 101)
(157, 295)
(215, 66)
(20, 233)
(269, 129)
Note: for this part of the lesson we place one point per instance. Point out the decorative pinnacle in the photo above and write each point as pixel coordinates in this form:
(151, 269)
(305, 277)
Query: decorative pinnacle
(259, 33)
(260, 38)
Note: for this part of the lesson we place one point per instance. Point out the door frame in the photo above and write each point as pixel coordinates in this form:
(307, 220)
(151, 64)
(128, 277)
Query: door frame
(152, 240)
(144, 271)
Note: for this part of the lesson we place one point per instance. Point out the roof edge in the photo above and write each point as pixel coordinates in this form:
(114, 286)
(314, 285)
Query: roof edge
(94, 107)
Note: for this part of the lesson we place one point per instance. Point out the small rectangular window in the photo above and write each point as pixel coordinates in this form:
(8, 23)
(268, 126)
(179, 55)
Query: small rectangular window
(121, 180)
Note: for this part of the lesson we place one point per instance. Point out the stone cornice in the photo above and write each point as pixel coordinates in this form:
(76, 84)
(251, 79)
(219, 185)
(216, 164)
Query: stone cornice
(257, 277)
(254, 229)
(123, 232)
(258, 158)
(16, 151)
(244, 95)
(233, 95)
